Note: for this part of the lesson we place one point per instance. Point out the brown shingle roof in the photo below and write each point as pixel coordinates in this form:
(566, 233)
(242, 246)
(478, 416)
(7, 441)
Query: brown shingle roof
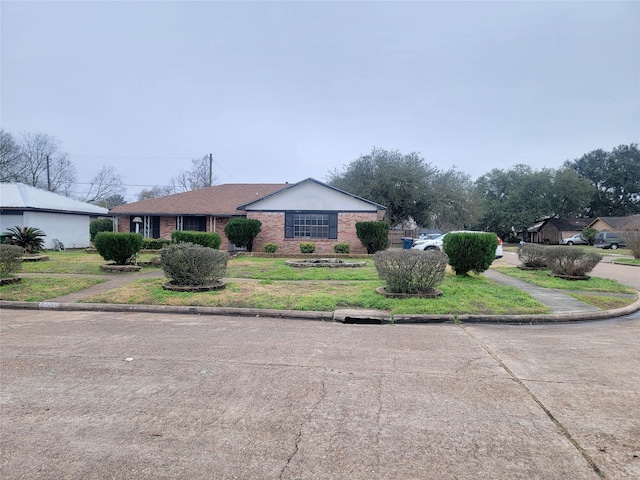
(217, 200)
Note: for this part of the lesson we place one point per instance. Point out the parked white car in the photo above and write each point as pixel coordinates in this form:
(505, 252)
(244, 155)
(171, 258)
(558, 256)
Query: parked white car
(576, 239)
(436, 243)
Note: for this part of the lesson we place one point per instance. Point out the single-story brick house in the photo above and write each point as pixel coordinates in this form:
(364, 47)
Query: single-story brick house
(60, 218)
(307, 211)
(612, 224)
(552, 230)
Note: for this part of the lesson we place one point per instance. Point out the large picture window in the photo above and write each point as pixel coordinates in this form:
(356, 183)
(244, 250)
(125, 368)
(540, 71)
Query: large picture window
(195, 224)
(311, 225)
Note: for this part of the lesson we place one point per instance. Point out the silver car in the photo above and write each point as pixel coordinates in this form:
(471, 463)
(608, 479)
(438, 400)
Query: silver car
(577, 239)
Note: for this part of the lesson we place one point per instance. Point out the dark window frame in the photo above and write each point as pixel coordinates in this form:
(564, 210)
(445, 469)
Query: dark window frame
(311, 225)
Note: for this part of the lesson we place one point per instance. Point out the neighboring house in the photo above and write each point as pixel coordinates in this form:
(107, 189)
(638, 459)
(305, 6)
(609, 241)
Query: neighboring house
(552, 230)
(59, 217)
(307, 211)
(611, 224)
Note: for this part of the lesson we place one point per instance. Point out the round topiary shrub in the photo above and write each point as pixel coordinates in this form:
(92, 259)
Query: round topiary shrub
(470, 251)
(271, 248)
(189, 264)
(341, 248)
(117, 247)
(10, 259)
(411, 271)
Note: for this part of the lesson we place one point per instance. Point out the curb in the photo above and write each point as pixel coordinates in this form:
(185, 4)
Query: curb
(343, 316)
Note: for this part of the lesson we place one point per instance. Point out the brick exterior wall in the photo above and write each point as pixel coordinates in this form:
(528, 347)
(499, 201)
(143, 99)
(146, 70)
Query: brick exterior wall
(272, 231)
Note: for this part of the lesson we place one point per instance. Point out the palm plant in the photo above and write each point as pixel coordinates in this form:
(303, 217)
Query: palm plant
(29, 238)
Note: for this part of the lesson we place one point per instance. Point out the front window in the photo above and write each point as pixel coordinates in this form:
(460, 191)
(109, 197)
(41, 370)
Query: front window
(311, 225)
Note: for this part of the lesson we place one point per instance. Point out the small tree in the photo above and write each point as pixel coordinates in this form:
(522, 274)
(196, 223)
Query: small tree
(373, 235)
(589, 234)
(470, 251)
(29, 238)
(100, 225)
(242, 231)
(10, 259)
(118, 247)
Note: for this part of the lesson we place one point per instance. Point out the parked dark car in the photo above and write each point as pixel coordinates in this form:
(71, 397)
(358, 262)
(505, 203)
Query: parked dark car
(608, 240)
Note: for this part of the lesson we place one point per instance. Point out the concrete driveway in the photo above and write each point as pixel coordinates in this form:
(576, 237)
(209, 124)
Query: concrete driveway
(95, 395)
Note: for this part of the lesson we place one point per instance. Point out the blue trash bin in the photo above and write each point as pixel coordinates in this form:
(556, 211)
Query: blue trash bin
(407, 243)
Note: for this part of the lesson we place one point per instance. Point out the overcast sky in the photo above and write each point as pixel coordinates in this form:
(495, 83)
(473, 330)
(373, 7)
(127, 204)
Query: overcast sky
(282, 91)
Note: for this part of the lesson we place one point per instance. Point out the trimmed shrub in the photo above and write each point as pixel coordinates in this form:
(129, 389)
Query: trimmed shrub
(118, 247)
(242, 231)
(31, 239)
(533, 256)
(373, 235)
(410, 271)
(154, 243)
(99, 225)
(470, 251)
(188, 264)
(271, 248)
(10, 259)
(206, 239)
(307, 247)
(571, 262)
(341, 248)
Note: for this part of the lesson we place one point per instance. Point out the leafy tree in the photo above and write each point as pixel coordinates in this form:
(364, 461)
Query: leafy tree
(31, 239)
(514, 199)
(242, 231)
(453, 201)
(589, 234)
(111, 201)
(373, 235)
(398, 181)
(616, 177)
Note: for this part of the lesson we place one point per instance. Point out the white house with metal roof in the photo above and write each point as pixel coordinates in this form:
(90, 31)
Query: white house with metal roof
(60, 218)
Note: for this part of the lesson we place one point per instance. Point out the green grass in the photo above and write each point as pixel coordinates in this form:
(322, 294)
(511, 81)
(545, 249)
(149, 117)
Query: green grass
(39, 289)
(543, 279)
(268, 283)
(277, 269)
(474, 294)
(71, 261)
(627, 261)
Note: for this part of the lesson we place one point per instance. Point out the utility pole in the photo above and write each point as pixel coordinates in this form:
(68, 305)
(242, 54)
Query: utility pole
(48, 176)
(210, 169)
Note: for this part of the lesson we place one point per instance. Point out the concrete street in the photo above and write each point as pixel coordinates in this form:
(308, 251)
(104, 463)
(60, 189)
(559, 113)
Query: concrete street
(96, 395)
